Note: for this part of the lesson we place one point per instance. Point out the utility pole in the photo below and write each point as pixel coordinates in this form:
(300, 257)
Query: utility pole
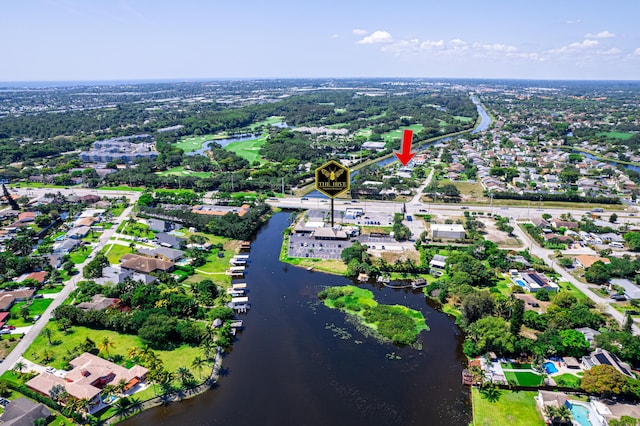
(283, 186)
(491, 195)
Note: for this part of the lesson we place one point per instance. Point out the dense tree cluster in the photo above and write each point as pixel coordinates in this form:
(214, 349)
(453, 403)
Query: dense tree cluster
(160, 314)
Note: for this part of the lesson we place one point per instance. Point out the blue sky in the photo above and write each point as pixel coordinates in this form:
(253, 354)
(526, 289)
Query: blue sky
(141, 39)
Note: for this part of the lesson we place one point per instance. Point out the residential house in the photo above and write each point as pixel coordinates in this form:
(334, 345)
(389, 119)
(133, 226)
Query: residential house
(168, 240)
(631, 291)
(588, 333)
(143, 264)
(115, 274)
(8, 298)
(604, 357)
(23, 412)
(539, 222)
(437, 265)
(78, 233)
(26, 217)
(65, 246)
(558, 223)
(164, 253)
(586, 260)
(89, 375)
(39, 277)
(98, 303)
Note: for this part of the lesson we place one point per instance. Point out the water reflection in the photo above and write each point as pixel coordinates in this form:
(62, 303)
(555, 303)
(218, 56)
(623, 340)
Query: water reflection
(298, 362)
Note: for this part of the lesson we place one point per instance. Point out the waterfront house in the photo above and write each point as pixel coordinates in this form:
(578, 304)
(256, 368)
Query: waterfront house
(88, 377)
(437, 265)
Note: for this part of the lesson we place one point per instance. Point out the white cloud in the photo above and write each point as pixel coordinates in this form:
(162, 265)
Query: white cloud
(601, 34)
(614, 51)
(573, 47)
(334, 36)
(377, 37)
(358, 31)
(636, 52)
(573, 21)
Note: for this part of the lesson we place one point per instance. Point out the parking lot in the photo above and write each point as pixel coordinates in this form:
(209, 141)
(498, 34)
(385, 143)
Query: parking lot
(304, 246)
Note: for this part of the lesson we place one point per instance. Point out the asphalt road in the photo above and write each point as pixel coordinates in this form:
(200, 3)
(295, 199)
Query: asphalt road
(28, 338)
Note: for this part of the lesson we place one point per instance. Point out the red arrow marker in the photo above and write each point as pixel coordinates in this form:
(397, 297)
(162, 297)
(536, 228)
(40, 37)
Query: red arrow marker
(406, 155)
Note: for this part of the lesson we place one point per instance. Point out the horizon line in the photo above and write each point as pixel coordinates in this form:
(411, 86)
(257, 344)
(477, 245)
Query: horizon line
(205, 79)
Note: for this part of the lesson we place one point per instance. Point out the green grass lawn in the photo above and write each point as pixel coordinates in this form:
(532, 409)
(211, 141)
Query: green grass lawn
(9, 341)
(92, 237)
(568, 287)
(568, 380)
(52, 290)
(268, 122)
(215, 263)
(397, 134)
(510, 365)
(78, 256)
(463, 118)
(524, 378)
(616, 135)
(192, 143)
(180, 171)
(115, 251)
(512, 408)
(37, 307)
(179, 357)
(121, 188)
(249, 150)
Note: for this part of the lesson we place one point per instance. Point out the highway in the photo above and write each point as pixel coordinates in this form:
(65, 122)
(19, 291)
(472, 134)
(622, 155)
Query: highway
(517, 214)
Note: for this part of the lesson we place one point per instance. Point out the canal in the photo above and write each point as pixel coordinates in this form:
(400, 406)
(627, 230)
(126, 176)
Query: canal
(298, 362)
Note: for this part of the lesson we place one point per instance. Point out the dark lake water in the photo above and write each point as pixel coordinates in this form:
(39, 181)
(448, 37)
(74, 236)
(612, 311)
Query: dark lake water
(300, 363)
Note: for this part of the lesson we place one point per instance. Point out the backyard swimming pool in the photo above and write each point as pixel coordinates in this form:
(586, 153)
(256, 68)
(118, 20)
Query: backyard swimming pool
(580, 414)
(520, 283)
(549, 367)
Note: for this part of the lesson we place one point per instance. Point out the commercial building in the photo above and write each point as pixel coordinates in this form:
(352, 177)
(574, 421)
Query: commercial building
(449, 231)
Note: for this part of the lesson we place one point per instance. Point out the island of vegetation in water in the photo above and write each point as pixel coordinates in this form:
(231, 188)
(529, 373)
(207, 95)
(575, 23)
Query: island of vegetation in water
(396, 323)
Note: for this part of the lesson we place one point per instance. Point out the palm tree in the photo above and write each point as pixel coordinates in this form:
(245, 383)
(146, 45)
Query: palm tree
(135, 405)
(184, 375)
(47, 355)
(490, 392)
(477, 374)
(122, 408)
(24, 312)
(64, 324)
(108, 390)
(198, 364)
(132, 353)
(47, 333)
(105, 345)
(83, 404)
(19, 366)
(120, 387)
(58, 393)
(563, 416)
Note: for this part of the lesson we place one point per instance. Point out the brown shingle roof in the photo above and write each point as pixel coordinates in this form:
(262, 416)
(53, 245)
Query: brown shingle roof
(144, 264)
